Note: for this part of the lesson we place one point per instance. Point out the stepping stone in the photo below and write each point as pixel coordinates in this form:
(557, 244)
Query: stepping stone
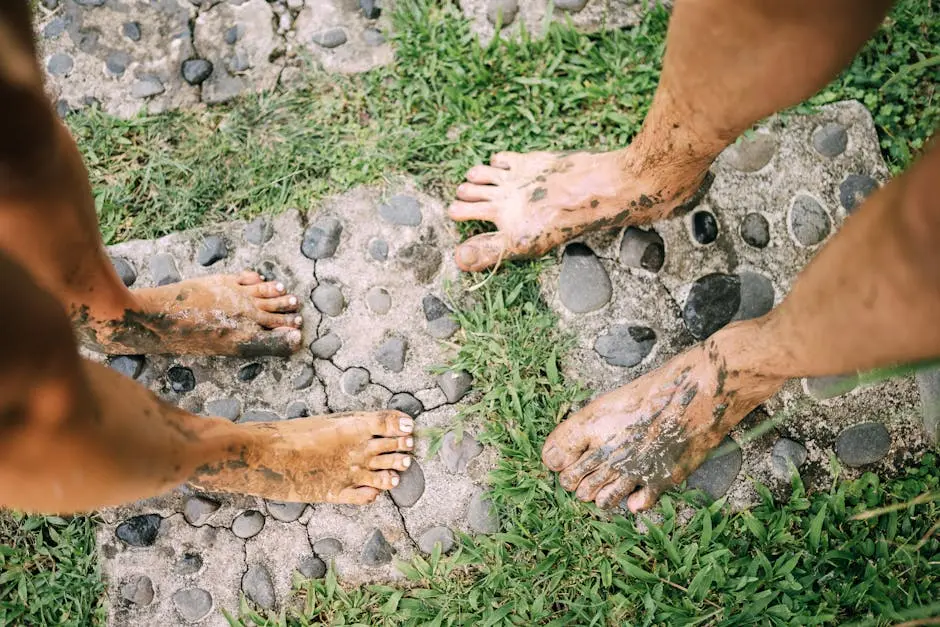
(481, 515)
(704, 227)
(164, 271)
(641, 248)
(715, 475)
(259, 415)
(379, 300)
(139, 530)
(755, 231)
(197, 510)
(751, 154)
(855, 189)
(195, 71)
(129, 365)
(625, 346)
(228, 408)
(248, 524)
(434, 536)
(305, 377)
(297, 409)
(378, 249)
(312, 567)
(257, 585)
(809, 222)
(863, 444)
(326, 346)
(181, 379)
(189, 564)
(138, 590)
(391, 354)
(377, 551)
(60, 64)
(401, 210)
(124, 270)
(147, 87)
(784, 453)
(928, 381)
(328, 299)
(455, 384)
(830, 140)
(193, 604)
(502, 12)
(354, 381)
(213, 249)
(583, 284)
(249, 372)
(712, 303)
(405, 402)
(822, 388)
(457, 455)
(410, 487)
(131, 30)
(757, 296)
(331, 38)
(321, 239)
(259, 231)
(327, 548)
(285, 512)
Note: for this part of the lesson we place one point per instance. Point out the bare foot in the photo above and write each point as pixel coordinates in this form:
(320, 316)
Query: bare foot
(241, 315)
(542, 199)
(639, 440)
(340, 458)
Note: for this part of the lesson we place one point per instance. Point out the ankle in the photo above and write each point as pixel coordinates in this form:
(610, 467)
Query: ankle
(744, 352)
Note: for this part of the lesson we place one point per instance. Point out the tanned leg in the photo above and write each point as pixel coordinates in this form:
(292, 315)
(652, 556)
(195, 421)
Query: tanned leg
(728, 64)
(48, 224)
(881, 272)
(75, 435)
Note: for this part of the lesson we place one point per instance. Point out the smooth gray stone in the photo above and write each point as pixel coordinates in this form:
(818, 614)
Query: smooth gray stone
(822, 388)
(784, 453)
(481, 515)
(312, 567)
(257, 585)
(455, 384)
(625, 346)
(138, 590)
(809, 222)
(410, 487)
(716, 474)
(377, 551)
(502, 11)
(328, 299)
(60, 64)
(642, 248)
(147, 87)
(163, 269)
(457, 455)
(124, 270)
(401, 210)
(248, 524)
(751, 154)
(228, 408)
(354, 381)
(583, 283)
(196, 71)
(712, 303)
(321, 238)
(326, 346)
(863, 444)
(285, 512)
(193, 604)
(755, 230)
(855, 189)
(259, 231)
(830, 140)
(757, 296)
(405, 402)
(129, 365)
(331, 38)
(391, 354)
(304, 378)
(327, 548)
(212, 249)
(259, 415)
(433, 536)
(197, 510)
(929, 383)
(379, 300)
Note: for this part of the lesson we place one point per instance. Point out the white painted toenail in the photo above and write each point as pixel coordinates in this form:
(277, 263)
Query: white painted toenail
(395, 481)
(410, 442)
(279, 287)
(406, 462)
(292, 300)
(407, 425)
(298, 321)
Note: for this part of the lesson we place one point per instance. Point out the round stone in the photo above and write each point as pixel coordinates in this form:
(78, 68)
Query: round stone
(131, 30)
(139, 530)
(189, 564)
(443, 328)
(181, 379)
(716, 474)
(54, 28)
(259, 415)
(147, 87)
(304, 378)
(642, 249)
(434, 308)
(391, 354)
(757, 296)
(373, 37)
(212, 249)
(571, 6)
(129, 365)
(750, 154)
(193, 604)
(402, 210)
(481, 515)
(830, 139)
(138, 590)
(712, 303)
(259, 231)
(328, 299)
(410, 487)
(331, 38)
(456, 453)
(405, 402)
(124, 270)
(231, 35)
(297, 409)
(326, 346)
(60, 64)
(249, 372)
(312, 567)
(116, 62)
(624, 345)
(163, 269)
(327, 548)
(784, 453)
(377, 551)
(197, 510)
(755, 231)
(257, 585)
(285, 512)
(435, 536)
(855, 189)
(370, 10)
(583, 283)
(378, 249)
(455, 384)
(354, 381)
(809, 222)
(502, 12)
(704, 227)
(195, 71)
(228, 408)
(863, 444)
(823, 388)
(321, 238)
(379, 300)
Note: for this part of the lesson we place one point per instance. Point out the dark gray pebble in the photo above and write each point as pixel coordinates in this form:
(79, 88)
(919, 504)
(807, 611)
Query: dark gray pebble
(321, 238)
(410, 487)
(625, 346)
(716, 474)
(259, 231)
(248, 372)
(391, 354)
(757, 296)
(284, 511)
(402, 210)
(325, 347)
(755, 231)
(257, 585)
(312, 567)
(131, 30)
(259, 415)
(704, 227)
(405, 402)
(830, 140)
(354, 381)
(855, 189)
(138, 590)
(196, 71)
(863, 444)
(147, 87)
(377, 551)
(378, 249)
(809, 222)
(583, 283)
(455, 384)
(213, 249)
(642, 249)
(297, 409)
(712, 303)
(139, 530)
(304, 378)
(163, 269)
(129, 365)
(331, 38)
(124, 270)
(181, 379)
(457, 453)
(60, 64)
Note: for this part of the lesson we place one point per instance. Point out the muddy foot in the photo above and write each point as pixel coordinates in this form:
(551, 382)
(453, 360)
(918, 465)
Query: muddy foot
(540, 200)
(341, 458)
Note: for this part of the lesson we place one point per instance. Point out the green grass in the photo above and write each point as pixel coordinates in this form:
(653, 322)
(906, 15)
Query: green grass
(444, 106)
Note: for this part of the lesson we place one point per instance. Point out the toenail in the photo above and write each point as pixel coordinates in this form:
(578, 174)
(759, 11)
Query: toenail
(410, 442)
(395, 481)
(292, 300)
(279, 287)
(407, 425)
(298, 321)
(468, 255)
(406, 462)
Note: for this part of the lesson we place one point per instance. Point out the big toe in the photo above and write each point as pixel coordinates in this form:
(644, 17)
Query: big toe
(481, 252)
(564, 445)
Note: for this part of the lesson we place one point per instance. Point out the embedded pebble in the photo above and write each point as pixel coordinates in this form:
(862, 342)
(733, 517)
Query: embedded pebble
(830, 139)
(321, 238)
(502, 11)
(757, 296)
(379, 300)
(139, 530)
(328, 299)
(248, 524)
(391, 354)
(181, 379)
(312, 567)
(625, 345)
(716, 474)
(326, 346)
(822, 388)
(147, 87)
(212, 249)
(434, 308)
(755, 231)
(304, 379)
(327, 548)
(249, 372)
(117, 62)
(62, 108)
(124, 270)
(196, 71)
(50, 4)
(285, 512)
(370, 10)
(197, 510)
(373, 37)
(712, 303)
(377, 550)
(401, 210)
(331, 38)
(455, 454)
(258, 586)
(583, 284)
(189, 564)
(572, 6)
(855, 189)
(267, 270)
(928, 382)
(809, 222)
(410, 486)
(481, 515)
(750, 154)
(378, 249)
(163, 269)
(443, 328)
(297, 409)
(129, 365)
(704, 227)
(784, 453)
(436, 535)
(455, 384)
(54, 28)
(138, 590)
(642, 249)
(259, 231)
(405, 402)
(131, 30)
(863, 444)
(193, 604)
(354, 381)
(224, 408)
(259, 415)
(60, 64)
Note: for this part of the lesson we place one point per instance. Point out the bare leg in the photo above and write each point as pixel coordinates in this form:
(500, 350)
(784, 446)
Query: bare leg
(881, 272)
(728, 64)
(48, 224)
